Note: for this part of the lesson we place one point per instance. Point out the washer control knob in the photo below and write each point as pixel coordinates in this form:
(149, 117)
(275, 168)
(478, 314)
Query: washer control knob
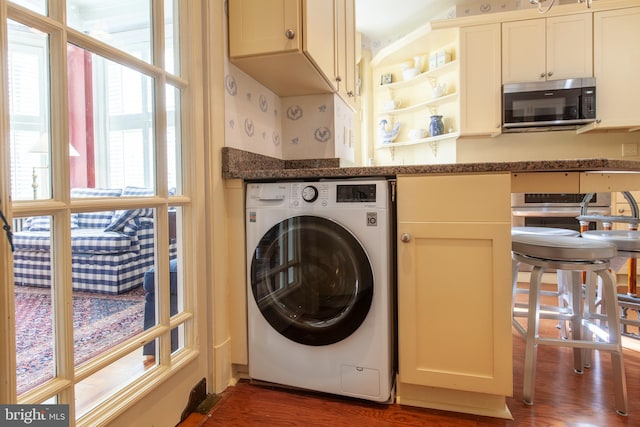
(405, 237)
(309, 193)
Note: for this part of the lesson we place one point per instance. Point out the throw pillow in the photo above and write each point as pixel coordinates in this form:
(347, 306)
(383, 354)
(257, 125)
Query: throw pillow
(95, 219)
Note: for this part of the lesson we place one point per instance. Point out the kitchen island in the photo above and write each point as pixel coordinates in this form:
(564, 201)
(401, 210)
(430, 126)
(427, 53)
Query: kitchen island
(453, 264)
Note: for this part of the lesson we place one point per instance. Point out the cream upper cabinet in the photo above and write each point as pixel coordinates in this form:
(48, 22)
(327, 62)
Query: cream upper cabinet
(447, 361)
(293, 47)
(346, 49)
(617, 68)
(547, 48)
(261, 27)
(320, 37)
(480, 88)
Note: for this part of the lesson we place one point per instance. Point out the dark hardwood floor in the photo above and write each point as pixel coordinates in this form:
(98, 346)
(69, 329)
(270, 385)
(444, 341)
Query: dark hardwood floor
(562, 398)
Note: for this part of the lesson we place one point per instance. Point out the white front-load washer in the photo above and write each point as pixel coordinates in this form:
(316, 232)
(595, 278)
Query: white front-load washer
(320, 288)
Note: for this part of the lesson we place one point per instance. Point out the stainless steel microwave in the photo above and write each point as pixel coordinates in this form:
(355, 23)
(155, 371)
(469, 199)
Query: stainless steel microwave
(548, 105)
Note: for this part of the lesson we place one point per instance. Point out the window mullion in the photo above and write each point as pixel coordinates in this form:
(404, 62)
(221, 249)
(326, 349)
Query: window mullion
(7, 303)
(61, 248)
(160, 155)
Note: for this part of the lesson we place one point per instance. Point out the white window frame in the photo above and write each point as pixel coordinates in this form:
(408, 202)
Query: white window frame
(61, 207)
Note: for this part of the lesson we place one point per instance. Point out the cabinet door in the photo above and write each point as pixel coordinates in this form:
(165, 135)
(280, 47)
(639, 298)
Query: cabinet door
(346, 50)
(452, 262)
(258, 27)
(524, 51)
(620, 206)
(320, 37)
(617, 67)
(570, 46)
(480, 90)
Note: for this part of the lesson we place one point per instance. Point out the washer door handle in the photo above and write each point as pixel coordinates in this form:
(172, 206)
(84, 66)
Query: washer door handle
(405, 237)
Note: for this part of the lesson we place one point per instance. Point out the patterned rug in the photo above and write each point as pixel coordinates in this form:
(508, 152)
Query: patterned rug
(99, 322)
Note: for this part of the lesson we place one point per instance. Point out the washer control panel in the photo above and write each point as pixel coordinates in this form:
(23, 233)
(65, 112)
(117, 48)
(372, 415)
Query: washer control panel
(336, 194)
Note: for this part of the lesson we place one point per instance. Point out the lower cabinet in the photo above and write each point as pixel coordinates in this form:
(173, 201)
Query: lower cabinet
(454, 292)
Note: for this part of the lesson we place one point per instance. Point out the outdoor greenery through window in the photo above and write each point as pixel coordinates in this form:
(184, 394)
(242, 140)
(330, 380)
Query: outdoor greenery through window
(95, 180)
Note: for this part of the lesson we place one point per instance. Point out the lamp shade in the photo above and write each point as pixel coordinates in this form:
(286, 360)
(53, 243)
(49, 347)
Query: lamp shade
(41, 146)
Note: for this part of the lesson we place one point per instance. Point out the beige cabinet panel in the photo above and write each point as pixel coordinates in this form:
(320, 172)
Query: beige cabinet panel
(570, 46)
(259, 27)
(320, 37)
(236, 269)
(620, 206)
(547, 48)
(292, 46)
(480, 86)
(617, 67)
(523, 51)
(455, 198)
(448, 265)
(346, 50)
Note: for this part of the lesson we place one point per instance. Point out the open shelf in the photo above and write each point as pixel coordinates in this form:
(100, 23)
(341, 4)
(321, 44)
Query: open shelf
(420, 78)
(430, 139)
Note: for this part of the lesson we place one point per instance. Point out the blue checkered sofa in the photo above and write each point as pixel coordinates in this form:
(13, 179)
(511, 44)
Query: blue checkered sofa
(111, 250)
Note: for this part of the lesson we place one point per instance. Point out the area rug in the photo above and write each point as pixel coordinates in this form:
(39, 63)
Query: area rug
(99, 323)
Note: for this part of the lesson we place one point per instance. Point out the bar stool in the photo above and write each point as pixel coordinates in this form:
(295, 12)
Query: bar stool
(574, 254)
(562, 278)
(628, 244)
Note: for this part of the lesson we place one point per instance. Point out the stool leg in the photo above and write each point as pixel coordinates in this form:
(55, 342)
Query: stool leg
(576, 320)
(531, 345)
(514, 283)
(592, 305)
(613, 322)
(564, 281)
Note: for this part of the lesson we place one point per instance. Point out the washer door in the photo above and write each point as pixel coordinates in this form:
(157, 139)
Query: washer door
(312, 280)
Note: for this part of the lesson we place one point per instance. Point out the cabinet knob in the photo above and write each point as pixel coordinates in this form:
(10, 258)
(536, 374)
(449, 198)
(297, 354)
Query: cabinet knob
(550, 73)
(350, 94)
(621, 210)
(338, 79)
(405, 237)
(290, 34)
(542, 75)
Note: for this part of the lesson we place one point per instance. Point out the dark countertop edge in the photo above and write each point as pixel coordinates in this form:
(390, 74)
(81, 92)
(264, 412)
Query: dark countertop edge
(238, 164)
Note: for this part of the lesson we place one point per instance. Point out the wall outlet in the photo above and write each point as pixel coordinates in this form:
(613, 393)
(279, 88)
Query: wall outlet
(630, 149)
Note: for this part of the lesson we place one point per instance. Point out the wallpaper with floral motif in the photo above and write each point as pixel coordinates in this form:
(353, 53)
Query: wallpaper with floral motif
(252, 115)
(289, 128)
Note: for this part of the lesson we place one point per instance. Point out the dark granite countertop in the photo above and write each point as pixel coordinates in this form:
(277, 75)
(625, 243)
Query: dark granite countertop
(238, 164)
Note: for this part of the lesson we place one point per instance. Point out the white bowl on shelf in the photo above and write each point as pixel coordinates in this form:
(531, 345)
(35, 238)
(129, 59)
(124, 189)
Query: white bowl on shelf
(392, 104)
(417, 134)
(410, 73)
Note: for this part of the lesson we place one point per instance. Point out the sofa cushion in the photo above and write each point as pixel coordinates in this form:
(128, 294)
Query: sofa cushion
(137, 191)
(82, 241)
(43, 223)
(121, 217)
(79, 193)
(98, 220)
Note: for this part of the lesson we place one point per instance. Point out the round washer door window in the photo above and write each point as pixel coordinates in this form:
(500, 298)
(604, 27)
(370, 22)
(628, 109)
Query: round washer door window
(312, 280)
